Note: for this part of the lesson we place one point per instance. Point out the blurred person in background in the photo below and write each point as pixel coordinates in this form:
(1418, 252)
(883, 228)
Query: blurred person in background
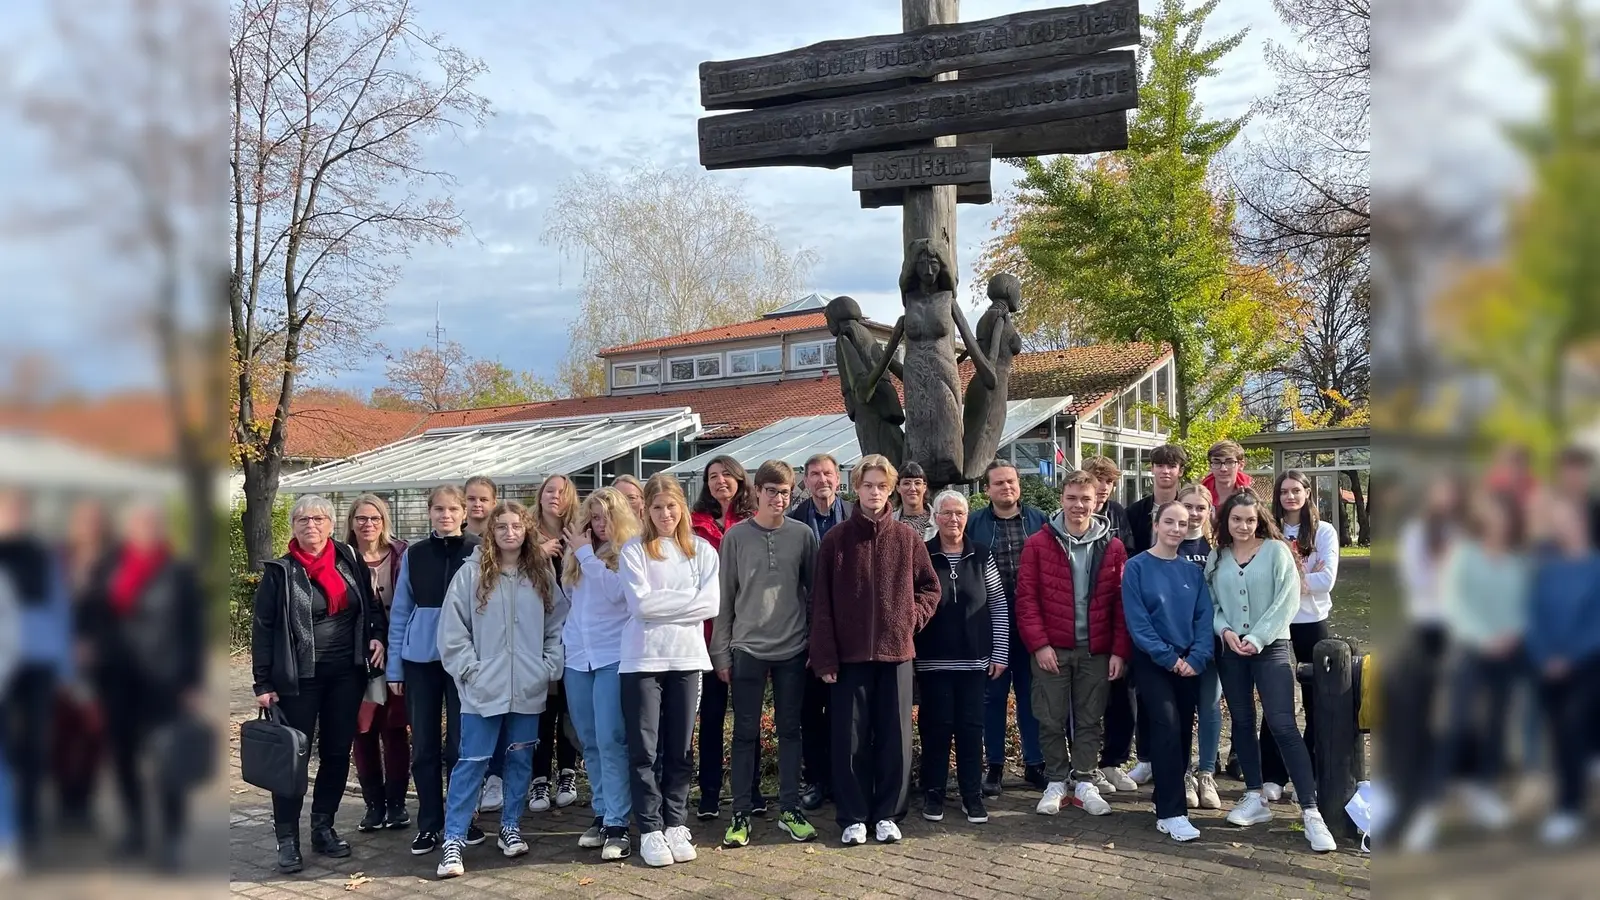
(1200, 787)
(383, 742)
(1575, 481)
(1563, 645)
(911, 496)
(44, 663)
(633, 491)
(10, 651)
(145, 623)
(79, 739)
(1510, 475)
(317, 634)
(559, 511)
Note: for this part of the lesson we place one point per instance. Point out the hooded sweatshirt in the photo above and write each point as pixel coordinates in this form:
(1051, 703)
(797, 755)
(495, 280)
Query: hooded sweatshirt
(1080, 551)
(503, 656)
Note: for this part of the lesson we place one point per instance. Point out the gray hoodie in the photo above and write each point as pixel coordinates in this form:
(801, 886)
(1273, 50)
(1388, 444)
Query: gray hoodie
(1080, 552)
(504, 657)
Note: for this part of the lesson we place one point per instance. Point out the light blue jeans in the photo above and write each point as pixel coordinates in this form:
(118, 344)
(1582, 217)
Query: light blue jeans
(594, 700)
(8, 808)
(1210, 714)
(516, 734)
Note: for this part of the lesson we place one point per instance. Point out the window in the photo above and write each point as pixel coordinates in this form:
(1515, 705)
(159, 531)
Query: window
(1162, 400)
(1131, 414)
(755, 362)
(695, 368)
(1112, 411)
(1147, 397)
(814, 355)
(635, 374)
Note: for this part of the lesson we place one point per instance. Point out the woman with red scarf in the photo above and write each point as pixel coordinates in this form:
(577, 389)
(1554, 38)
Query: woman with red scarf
(317, 634)
(143, 621)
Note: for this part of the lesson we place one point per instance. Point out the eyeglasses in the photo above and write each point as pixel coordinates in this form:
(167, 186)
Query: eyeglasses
(312, 520)
(951, 514)
(1224, 461)
(369, 520)
(775, 492)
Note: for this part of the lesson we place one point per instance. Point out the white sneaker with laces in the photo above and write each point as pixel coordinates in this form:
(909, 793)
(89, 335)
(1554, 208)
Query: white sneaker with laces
(1191, 791)
(1119, 780)
(566, 788)
(1317, 833)
(1101, 782)
(539, 795)
(450, 865)
(1050, 803)
(1487, 809)
(1250, 810)
(511, 843)
(887, 832)
(1141, 773)
(653, 849)
(1178, 828)
(493, 796)
(1087, 796)
(1208, 792)
(680, 842)
(1561, 829)
(1271, 792)
(854, 834)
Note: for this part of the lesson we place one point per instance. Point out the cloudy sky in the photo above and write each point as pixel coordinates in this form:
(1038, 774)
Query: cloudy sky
(610, 84)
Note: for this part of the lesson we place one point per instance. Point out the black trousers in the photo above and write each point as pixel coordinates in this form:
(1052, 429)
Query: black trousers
(714, 706)
(816, 734)
(432, 702)
(133, 710)
(27, 725)
(1571, 705)
(1303, 638)
(951, 710)
(554, 744)
(871, 709)
(658, 710)
(1123, 724)
(1167, 701)
(325, 709)
(749, 692)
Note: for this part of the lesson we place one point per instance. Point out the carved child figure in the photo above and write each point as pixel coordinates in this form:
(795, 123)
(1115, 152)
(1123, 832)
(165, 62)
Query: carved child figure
(984, 412)
(873, 407)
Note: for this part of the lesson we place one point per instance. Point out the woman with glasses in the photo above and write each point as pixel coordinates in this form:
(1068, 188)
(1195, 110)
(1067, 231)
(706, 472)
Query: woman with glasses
(383, 741)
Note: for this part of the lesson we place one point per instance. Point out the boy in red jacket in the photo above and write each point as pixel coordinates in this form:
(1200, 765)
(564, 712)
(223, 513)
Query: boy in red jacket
(1069, 614)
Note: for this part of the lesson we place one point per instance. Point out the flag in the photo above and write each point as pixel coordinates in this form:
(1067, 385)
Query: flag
(1060, 456)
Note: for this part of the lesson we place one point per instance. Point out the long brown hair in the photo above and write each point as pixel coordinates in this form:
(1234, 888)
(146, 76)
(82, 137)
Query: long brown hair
(1305, 542)
(743, 504)
(621, 527)
(531, 563)
(663, 484)
(1266, 528)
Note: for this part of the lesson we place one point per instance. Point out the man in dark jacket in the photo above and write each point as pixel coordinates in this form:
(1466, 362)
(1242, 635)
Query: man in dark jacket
(1002, 527)
(1069, 611)
(821, 510)
(874, 589)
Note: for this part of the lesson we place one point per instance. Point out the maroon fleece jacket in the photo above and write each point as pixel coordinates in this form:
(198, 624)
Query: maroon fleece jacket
(875, 588)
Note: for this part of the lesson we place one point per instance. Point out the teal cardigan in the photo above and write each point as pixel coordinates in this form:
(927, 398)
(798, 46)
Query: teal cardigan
(1258, 603)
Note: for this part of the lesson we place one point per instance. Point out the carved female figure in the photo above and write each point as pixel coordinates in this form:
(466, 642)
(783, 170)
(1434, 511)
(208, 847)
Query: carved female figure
(984, 418)
(875, 408)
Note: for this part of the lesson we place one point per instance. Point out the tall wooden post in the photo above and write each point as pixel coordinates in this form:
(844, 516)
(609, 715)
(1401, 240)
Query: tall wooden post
(930, 212)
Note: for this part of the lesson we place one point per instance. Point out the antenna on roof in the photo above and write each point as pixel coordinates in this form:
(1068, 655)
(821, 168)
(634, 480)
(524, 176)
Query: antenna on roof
(438, 331)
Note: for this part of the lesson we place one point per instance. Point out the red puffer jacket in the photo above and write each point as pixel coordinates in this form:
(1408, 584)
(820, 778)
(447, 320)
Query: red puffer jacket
(1045, 614)
(705, 525)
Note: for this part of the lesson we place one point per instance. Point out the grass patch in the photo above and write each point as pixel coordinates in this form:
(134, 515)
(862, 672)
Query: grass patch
(1355, 552)
(1352, 600)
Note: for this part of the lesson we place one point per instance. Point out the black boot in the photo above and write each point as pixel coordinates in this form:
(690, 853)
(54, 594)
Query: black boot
(395, 794)
(372, 795)
(324, 839)
(289, 861)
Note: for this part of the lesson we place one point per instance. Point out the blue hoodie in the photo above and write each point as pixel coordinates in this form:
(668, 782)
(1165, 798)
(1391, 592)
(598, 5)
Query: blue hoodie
(1564, 609)
(1168, 609)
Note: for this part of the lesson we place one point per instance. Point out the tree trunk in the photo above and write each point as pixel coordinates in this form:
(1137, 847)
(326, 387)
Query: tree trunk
(260, 493)
(1180, 391)
(1363, 515)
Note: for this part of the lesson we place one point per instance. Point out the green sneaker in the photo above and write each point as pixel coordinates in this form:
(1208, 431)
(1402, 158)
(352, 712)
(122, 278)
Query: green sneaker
(794, 822)
(738, 834)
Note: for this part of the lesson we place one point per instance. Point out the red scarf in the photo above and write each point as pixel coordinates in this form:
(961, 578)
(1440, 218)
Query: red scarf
(323, 573)
(136, 566)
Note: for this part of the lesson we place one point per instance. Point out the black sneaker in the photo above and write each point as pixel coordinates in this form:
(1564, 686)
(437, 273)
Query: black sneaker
(710, 808)
(992, 778)
(397, 818)
(812, 796)
(617, 845)
(475, 835)
(758, 806)
(373, 820)
(426, 842)
(974, 810)
(933, 806)
(1034, 776)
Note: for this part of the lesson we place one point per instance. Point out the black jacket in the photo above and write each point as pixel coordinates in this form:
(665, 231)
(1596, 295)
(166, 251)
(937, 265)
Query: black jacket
(281, 645)
(1121, 528)
(961, 629)
(160, 642)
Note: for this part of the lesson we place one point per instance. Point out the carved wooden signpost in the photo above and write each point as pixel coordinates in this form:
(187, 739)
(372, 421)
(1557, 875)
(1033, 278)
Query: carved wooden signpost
(919, 115)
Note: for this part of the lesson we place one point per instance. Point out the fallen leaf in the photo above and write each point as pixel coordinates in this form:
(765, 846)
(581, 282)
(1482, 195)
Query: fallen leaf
(1110, 845)
(1237, 845)
(585, 882)
(811, 850)
(356, 881)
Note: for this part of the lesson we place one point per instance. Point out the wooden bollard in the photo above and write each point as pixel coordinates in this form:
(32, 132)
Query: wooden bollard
(1338, 751)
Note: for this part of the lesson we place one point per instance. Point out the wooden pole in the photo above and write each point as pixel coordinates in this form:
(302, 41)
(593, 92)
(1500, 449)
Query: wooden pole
(930, 212)
(1339, 762)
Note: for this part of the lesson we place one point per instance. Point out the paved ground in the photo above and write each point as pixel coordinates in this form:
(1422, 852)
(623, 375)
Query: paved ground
(1018, 854)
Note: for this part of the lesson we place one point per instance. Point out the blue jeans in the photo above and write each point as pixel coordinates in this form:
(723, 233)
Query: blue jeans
(8, 808)
(1210, 714)
(594, 700)
(517, 733)
(1017, 677)
(1270, 675)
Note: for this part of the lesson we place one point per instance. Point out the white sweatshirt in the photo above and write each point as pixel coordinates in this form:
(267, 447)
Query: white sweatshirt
(669, 601)
(1317, 602)
(593, 633)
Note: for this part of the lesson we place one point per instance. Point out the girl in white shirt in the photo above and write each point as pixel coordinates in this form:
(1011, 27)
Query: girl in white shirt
(669, 577)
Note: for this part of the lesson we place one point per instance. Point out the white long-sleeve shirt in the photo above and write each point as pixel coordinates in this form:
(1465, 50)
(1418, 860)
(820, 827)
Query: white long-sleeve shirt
(669, 601)
(1316, 600)
(593, 633)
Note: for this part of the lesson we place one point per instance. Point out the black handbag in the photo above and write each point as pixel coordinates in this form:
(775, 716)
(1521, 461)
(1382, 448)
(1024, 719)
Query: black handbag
(274, 756)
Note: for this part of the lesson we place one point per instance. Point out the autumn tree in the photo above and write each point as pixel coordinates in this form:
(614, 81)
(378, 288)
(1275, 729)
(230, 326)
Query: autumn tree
(664, 252)
(332, 101)
(445, 377)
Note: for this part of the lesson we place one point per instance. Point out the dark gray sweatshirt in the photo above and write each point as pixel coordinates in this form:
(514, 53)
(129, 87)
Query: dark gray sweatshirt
(766, 591)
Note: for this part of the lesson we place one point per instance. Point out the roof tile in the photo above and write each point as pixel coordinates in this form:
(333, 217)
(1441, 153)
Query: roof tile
(738, 331)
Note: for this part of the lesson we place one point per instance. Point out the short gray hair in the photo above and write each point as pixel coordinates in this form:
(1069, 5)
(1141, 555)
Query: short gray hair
(311, 503)
(949, 494)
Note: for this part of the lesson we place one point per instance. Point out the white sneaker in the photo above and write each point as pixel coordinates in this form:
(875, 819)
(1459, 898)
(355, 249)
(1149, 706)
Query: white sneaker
(539, 795)
(566, 788)
(1561, 829)
(450, 865)
(1087, 796)
(1486, 807)
(493, 796)
(1208, 792)
(1101, 783)
(1317, 833)
(1119, 780)
(1050, 803)
(854, 834)
(653, 849)
(1178, 828)
(1191, 791)
(1250, 810)
(1423, 831)
(681, 843)
(1141, 773)
(1271, 792)
(887, 831)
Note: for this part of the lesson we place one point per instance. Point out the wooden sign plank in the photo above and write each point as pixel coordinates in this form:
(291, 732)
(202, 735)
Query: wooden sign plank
(1104, 83)
(831, 68)
(921, 166)
(965, 193)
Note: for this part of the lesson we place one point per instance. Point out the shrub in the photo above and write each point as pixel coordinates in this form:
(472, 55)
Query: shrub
(242, 581)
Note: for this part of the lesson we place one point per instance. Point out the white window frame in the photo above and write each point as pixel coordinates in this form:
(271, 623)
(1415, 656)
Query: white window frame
(694, 362)
(638, 380)
(794, 355)
(755, 362)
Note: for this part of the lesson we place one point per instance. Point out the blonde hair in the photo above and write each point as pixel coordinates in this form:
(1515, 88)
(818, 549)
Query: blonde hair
(874, 462)
(452, 491)
(1204, 494)
(531, 562)
(385, 532)
(665, 485)
(569, 499)
(621, 526)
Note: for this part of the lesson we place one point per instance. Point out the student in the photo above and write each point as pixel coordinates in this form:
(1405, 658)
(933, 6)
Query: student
(592, 637)
(1227, 477)
(1167, 463)
(1316, 547)
(1121, 721)
(500, 639)
(1575, 480)
(725, 500)
(822, 509)
(1563, 642)
(558, 511)
(414, 670)
(766, 566)
(911, 496)
(1107, 476)
(1169, 614)
(875, 588)
(481, 493)
(1200, 786)
(634, 491)
(1002, 527)
(963, 647)
(669, 578)
(383, 739)
(1256, 585)
(1069, 611)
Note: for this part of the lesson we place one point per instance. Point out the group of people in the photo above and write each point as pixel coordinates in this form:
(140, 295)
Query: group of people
(645, 612)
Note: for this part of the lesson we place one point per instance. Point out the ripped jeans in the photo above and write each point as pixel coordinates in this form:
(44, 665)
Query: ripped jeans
(517, 734)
